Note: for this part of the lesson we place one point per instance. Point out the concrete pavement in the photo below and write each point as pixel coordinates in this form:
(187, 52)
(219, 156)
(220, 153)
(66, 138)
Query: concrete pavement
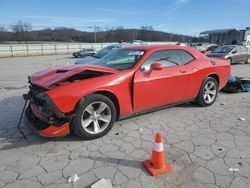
(202, 144)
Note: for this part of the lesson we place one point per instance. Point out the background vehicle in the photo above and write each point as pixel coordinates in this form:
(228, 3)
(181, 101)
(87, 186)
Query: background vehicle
(205, 47)
(99, 54)
(246, 44)
(88, 99)
(84, 52)
(232, 53)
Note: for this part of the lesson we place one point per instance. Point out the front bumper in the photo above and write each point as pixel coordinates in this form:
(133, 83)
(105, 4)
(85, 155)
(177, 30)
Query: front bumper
(38, 121)
(45, 129)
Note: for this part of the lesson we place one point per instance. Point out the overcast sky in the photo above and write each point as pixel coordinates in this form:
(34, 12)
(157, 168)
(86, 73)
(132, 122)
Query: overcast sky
(177, 16)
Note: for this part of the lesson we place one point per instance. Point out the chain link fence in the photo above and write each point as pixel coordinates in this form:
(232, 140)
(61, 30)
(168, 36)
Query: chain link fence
(13, 50)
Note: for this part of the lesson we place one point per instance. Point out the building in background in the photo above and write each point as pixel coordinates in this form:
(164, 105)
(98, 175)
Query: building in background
(223, 36)
(245, 34)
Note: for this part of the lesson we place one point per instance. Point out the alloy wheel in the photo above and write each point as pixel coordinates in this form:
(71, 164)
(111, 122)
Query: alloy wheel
(210, 91)
(96, 117)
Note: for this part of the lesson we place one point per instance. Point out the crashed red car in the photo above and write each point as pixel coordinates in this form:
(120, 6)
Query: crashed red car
(88, 99)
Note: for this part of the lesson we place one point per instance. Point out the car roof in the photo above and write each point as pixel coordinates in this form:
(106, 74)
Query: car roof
(191, 50)
(124, 44)
(155, 47)
(114, 45)
(230, 45)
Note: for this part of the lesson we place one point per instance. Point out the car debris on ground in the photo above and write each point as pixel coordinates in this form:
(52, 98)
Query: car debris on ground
(241, 119)
(237, 84)
(233, 169)
(102, 183)
(73, 179)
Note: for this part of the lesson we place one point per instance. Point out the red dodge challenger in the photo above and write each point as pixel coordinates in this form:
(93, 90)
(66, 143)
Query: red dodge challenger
(88, 99)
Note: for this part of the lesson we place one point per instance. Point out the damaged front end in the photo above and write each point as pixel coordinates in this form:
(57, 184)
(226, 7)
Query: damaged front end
(43, 112)
(43, 115)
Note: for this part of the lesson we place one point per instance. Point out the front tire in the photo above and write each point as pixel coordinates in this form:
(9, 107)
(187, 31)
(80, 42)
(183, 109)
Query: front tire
(208, 92)
(248, 60)
(230, 60)
(95, 116)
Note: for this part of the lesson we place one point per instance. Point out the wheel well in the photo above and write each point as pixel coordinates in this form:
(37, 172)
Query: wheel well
(113, 98)
(216, 77)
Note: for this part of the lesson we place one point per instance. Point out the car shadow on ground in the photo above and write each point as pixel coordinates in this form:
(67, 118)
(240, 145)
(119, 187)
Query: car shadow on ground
(133, 164)
(112, 160)
(10, 136)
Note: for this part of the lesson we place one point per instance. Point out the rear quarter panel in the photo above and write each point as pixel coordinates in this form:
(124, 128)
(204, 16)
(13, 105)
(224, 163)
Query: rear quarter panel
(201, 68)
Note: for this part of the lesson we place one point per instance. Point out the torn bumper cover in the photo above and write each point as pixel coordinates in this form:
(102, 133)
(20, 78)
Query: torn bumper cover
(44, 118)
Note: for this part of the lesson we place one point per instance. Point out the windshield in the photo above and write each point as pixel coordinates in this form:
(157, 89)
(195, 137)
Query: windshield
(121, 59)
(104, 51)
(82, 50)
(224, 49)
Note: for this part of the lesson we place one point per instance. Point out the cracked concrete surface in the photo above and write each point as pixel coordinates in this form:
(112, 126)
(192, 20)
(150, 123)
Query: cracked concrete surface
(200, 143)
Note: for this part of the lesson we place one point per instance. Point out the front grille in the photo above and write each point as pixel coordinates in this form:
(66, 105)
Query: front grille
(39, 97)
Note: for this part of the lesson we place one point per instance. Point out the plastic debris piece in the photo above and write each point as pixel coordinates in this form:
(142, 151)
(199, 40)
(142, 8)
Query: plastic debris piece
(233, 169)
(222, 104)
(73, 179)
(240, 163)
(241, 119)
(102, 183)
(140, 129)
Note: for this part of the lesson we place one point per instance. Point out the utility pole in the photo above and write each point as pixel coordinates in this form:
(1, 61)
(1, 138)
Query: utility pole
(134, 35)
(95, 30)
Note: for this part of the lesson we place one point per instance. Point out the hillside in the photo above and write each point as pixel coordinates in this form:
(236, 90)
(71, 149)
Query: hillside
(73, 35)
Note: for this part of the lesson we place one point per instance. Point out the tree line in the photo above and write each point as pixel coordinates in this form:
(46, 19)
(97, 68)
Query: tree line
(22, 32)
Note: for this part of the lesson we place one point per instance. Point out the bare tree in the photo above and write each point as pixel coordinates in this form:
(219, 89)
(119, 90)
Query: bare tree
(2, 28)
(21, 31)
(2, 33)
(148, 28)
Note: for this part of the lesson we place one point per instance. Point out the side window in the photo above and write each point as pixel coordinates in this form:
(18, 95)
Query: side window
(237, 49)
(243, 49)
(166, 58)
(185, 57)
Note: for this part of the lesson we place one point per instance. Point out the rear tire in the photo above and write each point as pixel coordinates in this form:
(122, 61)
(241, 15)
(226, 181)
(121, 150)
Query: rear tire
(208, 92)
(95, 116)
(248, 60)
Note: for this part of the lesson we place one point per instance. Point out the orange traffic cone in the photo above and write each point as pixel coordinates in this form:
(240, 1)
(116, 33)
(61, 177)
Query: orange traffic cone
(156, 165)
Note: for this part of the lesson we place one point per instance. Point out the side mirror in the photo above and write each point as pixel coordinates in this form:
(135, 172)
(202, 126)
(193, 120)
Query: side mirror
(234, 52)
(156, 66)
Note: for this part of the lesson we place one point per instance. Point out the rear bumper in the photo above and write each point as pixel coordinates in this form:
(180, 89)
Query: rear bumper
(43, 128)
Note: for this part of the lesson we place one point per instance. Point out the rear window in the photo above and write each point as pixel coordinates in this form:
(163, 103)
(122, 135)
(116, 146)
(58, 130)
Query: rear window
(185, 57)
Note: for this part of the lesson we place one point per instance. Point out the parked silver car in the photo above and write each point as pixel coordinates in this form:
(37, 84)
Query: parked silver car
(84, 52)
(205, 47)
(233, 53)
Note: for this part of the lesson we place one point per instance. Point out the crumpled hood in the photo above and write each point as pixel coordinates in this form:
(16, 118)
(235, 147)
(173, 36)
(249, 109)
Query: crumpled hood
(54, 75)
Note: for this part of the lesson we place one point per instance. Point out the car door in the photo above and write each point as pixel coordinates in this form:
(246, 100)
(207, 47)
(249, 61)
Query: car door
(235, 55)
(244, 54)
(160, 87)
